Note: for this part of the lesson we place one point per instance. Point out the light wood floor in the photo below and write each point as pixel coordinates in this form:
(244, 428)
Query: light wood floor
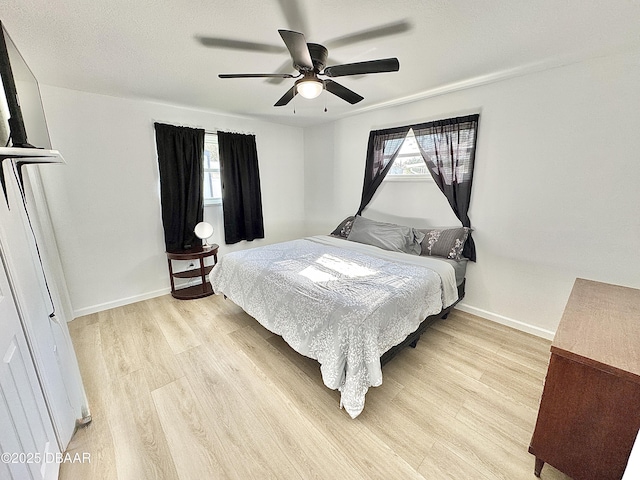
(199, 390)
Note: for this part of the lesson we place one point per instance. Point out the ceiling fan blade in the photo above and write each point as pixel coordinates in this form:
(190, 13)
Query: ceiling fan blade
(293, 14)
(298, 49)
(286, 98)
(342, 92)
(239, 45)
(282, 69)
(257, 75)
(382, 31)
(360, 68)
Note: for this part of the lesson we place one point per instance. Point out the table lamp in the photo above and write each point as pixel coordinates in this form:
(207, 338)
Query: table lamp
(204, 231)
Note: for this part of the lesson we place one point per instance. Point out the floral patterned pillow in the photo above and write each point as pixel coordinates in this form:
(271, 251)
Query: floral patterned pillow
(444, 242)
(344, 229)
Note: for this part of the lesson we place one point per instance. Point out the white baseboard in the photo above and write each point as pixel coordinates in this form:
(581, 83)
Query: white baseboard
(119, 303)
(509, 322)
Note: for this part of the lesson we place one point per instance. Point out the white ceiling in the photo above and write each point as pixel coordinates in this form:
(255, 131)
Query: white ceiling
(148, 48)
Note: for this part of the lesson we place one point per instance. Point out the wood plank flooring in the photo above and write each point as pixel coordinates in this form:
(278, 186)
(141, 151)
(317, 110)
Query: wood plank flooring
(199, 390)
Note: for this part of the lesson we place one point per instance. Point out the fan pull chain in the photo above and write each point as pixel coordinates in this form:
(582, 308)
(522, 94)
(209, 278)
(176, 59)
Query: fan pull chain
(324, 97)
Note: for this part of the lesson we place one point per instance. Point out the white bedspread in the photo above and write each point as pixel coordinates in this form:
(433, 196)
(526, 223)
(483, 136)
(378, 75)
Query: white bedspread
(339, 302)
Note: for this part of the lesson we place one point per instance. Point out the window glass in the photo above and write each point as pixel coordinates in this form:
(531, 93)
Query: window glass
(409, 162)
(212, 187)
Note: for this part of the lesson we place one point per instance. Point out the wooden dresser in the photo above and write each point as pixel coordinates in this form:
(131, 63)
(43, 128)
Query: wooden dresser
(590, 407)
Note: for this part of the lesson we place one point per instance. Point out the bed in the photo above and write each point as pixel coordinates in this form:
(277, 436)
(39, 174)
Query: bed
(350, 305)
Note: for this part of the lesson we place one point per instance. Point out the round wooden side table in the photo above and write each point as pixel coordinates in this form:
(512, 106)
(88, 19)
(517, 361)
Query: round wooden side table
(202, 289)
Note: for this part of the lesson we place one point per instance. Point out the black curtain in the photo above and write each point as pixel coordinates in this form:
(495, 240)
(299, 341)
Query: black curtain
(382, 150)
(180, 152)
(448, 148)
(241, 197)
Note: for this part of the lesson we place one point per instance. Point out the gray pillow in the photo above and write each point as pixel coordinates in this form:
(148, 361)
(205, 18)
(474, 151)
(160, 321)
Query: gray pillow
(444, 242)
(344, 228)
(387, 236)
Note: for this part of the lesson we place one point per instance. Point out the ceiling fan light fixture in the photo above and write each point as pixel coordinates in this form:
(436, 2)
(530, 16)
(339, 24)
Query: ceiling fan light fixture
(309, 87)
(310, 60)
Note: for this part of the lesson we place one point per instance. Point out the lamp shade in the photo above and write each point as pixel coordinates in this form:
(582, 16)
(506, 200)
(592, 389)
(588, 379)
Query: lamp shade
(203, 230)
(309, 87)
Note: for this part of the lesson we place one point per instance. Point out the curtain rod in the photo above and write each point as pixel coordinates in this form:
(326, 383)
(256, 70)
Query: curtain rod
(215, 131)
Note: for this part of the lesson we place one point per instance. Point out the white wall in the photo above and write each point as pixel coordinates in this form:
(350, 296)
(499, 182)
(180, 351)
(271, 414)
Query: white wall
(105, 202)
(555, 192)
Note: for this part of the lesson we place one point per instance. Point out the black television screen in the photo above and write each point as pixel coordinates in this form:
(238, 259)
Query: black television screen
(21, 111)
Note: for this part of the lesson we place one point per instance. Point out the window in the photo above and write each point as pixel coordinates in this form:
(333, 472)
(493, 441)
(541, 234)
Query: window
(212, 188)
(409, 164)
(454, 148)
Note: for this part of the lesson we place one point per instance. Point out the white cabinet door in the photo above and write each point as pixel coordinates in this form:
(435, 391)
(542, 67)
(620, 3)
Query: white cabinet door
(633, 466)
(34, 305)
(43, 232)
(27, 440)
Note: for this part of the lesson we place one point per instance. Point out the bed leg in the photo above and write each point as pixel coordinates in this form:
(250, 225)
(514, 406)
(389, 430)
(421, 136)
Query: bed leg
(444, 317)
(414, 344)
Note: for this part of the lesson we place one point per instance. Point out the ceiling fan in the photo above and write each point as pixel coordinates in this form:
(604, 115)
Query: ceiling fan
(310, 59)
